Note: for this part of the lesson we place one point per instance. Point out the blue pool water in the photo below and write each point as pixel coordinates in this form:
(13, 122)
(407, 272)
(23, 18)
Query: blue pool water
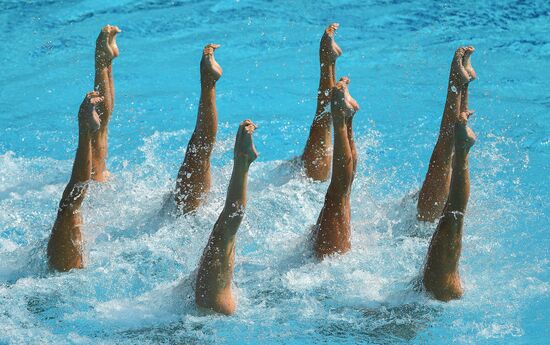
(135, 288)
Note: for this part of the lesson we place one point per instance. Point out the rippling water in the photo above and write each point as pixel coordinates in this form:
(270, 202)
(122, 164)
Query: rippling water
(140, 258)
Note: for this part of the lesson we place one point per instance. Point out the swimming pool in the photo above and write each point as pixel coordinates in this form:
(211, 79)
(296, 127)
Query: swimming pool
(135, 288)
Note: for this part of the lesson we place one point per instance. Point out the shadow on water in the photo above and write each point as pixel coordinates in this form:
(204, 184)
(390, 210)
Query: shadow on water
(386, 324)
(179, 332)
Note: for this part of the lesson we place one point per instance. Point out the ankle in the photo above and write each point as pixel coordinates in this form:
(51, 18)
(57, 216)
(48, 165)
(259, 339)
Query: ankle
(208, 84)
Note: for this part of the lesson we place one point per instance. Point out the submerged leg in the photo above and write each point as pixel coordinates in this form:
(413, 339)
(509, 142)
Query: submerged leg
(64, 246)
(194, 179)
(106, 50)
(441, 276)
(317, 156)
(435, 188)
(215, 273)
(332, 231)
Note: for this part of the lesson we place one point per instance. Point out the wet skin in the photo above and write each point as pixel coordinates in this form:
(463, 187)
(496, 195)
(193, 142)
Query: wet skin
(106, 51)
(435, 189)
(215, 273)
(317, 154)
(332, 231)
(65, 243)
(441, 276)
(194, 177)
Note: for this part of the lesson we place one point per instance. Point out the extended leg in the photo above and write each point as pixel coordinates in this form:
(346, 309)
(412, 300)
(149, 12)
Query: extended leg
(106, 51)
(213, 285)
(64, 246)
(194, 179)
(332, 231)
(349, 126)
(441, 276)
(317, 155)
(435, 188)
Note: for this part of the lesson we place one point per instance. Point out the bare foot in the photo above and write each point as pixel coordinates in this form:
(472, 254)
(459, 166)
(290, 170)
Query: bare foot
(88, 116)
(329, 51)
(106, 48)
(211, 71)
(464, 136)
(459, 75)
(342, 100)
(244, 145)
(467, 64)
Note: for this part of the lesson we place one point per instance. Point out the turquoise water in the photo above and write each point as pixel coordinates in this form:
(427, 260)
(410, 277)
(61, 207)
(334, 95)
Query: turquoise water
(140, 261)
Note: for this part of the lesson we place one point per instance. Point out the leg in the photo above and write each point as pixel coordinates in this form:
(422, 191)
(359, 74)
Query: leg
(106, 50)
(349, 125)
(441, 276)
(193, 182)
(215, 273)
(435, 188)
(317, 155)
(332, 231)
(64, 246)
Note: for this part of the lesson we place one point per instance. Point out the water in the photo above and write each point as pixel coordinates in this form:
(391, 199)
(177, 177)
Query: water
(135, 288)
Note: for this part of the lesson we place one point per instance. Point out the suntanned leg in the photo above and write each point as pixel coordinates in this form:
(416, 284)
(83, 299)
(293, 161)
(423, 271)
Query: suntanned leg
(435, 188)
(106, 50)
(194, 179)
(215, 273)
(349, 125)
(332, 231)
(441, 276)
(317, 153)
(472, 74)
(64, 246)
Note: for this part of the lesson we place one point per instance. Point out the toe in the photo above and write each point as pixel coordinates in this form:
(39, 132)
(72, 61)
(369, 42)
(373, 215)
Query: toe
(342, 84)
(459, 53)
(463, 117)
(248, 123)
(459, 56)
(331, 29)
(467, 53)
(92, 94)
(210, 48)
(96, 100)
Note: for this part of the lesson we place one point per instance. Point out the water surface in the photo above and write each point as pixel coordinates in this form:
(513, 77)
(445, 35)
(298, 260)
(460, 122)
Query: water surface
(136, 286)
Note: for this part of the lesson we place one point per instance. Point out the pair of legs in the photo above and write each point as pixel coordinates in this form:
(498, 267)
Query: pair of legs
(449, 177)
(435, 189)
(194, 177)
(65, 243)
(215, 273)
(317, 153)
(441, 276)
(332, 231)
